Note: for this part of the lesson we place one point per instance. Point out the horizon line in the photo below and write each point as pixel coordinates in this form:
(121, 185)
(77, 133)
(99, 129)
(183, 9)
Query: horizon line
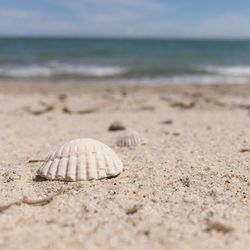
(125, 37)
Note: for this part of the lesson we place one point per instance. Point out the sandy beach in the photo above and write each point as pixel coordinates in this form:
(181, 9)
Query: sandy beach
(187, 188)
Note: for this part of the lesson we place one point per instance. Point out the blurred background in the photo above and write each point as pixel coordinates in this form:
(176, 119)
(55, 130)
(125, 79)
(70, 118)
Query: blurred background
(142, 41)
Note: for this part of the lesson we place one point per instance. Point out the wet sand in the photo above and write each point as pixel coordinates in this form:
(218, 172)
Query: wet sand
(187, 188)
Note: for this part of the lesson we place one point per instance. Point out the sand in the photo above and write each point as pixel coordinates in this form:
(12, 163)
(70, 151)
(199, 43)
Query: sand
(187, 188)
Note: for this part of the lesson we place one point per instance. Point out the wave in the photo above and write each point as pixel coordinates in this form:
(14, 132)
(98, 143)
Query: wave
(142, 75)
(229, 70)
(30, 71)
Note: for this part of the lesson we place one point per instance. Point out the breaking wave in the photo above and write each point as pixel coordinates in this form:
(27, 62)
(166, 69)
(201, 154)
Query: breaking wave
(33, 71)
(235, 71)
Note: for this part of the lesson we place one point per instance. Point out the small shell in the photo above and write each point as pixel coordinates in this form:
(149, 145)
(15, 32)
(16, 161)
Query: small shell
(130, 139)
(81, 159)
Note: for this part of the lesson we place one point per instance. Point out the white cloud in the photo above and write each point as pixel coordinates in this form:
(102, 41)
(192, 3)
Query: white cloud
(17, 14)
(117, 17)
(120, 18)
(21, 22)
(91, 17)
(139, 6)
(150, 18)
(224, 25)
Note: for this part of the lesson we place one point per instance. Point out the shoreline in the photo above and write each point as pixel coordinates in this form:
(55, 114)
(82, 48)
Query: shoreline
(40, 85)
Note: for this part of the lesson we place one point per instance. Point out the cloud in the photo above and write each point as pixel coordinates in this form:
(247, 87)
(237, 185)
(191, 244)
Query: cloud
(86, 17)
(22, 22)
(117, 17)
(140, 18)
(17, 14)
(225, 25)
(117, 6)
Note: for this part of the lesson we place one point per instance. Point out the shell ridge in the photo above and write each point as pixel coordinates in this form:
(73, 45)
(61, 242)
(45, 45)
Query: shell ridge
(95, 161)
(106, 164)
(72, 168)
(102, 166)
(60, 153)
(76, 167)
(67, 169)
(81, 170)
(87, 163)
(98, 162)
(92, 164)
(52, 169)
(111, 165)
(46, 168)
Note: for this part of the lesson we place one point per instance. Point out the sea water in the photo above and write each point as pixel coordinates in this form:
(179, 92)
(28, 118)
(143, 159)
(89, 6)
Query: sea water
(150, 61)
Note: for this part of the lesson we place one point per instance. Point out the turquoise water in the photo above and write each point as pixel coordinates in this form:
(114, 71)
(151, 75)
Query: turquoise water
(136, 60)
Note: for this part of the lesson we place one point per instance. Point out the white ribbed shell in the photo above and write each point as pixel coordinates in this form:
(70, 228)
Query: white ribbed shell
(81, 159)
(130, 139)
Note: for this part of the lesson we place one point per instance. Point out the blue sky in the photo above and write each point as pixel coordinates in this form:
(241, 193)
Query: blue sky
(140, 18)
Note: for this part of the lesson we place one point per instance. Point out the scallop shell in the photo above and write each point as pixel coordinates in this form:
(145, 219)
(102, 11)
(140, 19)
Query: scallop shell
(130, 139)
(81, 159)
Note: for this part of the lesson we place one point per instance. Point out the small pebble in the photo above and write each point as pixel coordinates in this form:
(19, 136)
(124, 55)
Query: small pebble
(116, 126)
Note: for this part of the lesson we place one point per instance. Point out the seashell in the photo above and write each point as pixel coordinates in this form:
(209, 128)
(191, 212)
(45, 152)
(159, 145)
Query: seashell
(115, 126)
(81, 159)
(130, 139)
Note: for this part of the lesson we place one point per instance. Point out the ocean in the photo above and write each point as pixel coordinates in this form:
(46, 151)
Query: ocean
(149, 61)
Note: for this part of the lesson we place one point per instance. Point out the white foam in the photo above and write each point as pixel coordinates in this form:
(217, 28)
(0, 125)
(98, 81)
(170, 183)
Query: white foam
(229, 70)
(96, 71)
(25, 71)
(214, 74)
(62, 69)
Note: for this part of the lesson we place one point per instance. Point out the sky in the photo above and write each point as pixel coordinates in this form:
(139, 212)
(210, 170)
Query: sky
(126, 18)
